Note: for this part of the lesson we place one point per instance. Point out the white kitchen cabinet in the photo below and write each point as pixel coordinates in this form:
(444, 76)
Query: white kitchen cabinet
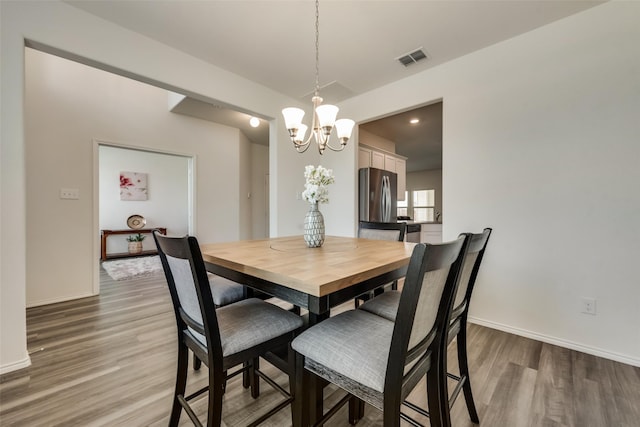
(364, 158)
(401, 170)
(390, 163)
(431, 233)
(377, 160)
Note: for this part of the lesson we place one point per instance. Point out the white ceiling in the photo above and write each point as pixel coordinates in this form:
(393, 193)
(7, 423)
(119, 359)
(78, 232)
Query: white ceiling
(272, 42)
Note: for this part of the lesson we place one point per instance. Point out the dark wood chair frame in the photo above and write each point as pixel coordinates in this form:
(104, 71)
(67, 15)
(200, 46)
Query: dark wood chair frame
(398, 385)
(458, 329)
(399, 226)
(187, 248)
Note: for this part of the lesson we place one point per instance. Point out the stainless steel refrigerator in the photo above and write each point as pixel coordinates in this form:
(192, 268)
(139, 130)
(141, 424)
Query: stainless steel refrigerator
(378, 191)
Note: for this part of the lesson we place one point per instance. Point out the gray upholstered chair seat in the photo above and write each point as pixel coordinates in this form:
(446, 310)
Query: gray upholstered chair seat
(350, 349)
(384, 305)
(238, 331)
(224, 291)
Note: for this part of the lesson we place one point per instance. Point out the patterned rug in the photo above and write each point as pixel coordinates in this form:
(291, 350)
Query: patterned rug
(129, 268)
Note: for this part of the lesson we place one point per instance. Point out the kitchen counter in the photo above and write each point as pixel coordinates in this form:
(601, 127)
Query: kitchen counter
(423, 231)
(420, 222)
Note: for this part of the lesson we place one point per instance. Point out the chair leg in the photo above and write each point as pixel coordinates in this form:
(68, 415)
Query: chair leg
(246, 383)
(356, 410)
(216, 391)
(436, 397)
(464, 372)
(197, 363)
(391, 411)
(253, 377)
(181, 384)
(300, 410)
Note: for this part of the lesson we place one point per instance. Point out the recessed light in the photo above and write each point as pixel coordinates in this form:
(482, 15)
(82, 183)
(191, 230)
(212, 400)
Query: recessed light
(414, 121)
(254, 122)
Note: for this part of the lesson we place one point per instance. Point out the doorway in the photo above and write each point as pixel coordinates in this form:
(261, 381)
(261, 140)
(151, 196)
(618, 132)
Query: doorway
(167, 201)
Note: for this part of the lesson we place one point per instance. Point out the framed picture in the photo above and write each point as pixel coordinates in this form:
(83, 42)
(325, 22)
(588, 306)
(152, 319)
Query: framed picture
(133, 186)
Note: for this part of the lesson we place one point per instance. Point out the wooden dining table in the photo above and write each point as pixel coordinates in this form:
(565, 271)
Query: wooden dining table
(316, 279)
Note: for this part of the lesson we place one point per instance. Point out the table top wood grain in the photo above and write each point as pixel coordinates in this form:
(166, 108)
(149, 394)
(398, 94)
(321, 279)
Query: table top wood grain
(340, 263)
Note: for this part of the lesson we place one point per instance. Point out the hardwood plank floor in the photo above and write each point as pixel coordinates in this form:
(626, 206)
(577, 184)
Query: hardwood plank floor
(110, 361)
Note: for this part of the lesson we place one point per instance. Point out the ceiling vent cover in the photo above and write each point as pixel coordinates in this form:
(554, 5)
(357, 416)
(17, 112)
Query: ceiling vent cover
(413, 57)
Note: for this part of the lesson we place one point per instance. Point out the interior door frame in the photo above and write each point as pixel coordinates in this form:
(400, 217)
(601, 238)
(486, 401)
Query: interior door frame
(191, 211)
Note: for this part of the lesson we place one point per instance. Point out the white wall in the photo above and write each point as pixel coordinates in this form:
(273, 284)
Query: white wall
(57, 27)
(244, 189)
(541, 143)
(68, 105)
(167, 204)
(259, 191)
(376, 141)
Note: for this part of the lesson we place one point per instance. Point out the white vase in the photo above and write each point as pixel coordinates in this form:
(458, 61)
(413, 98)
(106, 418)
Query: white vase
(314, 227)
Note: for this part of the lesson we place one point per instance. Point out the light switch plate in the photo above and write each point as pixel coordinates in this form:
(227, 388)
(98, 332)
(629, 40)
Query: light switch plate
(69, 193)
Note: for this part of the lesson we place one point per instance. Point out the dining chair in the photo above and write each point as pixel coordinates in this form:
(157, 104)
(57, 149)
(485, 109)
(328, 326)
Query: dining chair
(394, 231)
(223, 292)
(380, 361)
(387, 306)
(222, 338)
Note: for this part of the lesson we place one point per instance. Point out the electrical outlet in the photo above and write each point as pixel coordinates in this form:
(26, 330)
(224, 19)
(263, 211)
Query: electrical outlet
(70, 193)
(589, 305)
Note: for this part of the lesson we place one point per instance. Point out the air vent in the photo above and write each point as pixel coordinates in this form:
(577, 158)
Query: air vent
(413, 57)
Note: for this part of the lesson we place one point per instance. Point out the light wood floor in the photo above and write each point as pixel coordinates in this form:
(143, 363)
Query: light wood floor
(110, 361)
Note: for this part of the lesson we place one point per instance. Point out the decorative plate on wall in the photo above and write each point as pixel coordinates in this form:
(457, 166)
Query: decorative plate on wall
(136, 222)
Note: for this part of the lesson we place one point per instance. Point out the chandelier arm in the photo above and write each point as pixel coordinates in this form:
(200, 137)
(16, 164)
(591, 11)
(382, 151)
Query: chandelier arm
(342, 147)
(301, 148)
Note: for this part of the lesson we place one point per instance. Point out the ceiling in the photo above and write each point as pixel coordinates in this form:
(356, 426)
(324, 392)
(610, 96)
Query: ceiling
(420, 143)
(272, 42)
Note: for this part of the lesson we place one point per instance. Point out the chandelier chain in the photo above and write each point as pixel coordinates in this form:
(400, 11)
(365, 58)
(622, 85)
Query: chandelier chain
(317, 93)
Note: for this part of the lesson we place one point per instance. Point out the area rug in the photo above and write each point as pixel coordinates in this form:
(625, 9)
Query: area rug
(130, 268)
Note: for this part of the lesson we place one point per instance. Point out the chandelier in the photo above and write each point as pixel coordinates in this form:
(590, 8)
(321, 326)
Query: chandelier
(324, 116)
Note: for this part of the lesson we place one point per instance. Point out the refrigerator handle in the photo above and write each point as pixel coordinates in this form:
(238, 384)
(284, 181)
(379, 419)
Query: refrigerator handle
(383, 197)
(386, 199)
(388, 218)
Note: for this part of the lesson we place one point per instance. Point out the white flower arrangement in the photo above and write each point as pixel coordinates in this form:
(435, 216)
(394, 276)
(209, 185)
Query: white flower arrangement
(315, 189)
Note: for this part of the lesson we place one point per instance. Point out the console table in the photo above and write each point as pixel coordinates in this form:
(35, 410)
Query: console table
(106, 233)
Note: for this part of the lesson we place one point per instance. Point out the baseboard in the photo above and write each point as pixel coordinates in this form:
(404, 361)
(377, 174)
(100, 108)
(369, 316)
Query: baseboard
(60, 299)
(24, 363)
(633, 361)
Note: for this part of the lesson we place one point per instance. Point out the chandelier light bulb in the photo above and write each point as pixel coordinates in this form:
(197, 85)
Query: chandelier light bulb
(344, 128)
(302, 130)
(292, 117)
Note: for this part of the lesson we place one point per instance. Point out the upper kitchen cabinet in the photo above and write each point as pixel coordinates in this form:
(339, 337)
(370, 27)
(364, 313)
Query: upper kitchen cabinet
(370, 157)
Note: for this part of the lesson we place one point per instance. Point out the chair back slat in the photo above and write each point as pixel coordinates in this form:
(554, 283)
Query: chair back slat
(370, 233)
(428, 303)
(185, 287)
(475, 253)
(424, 307)
(393, 231)
(190, 291)
(467, 268)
